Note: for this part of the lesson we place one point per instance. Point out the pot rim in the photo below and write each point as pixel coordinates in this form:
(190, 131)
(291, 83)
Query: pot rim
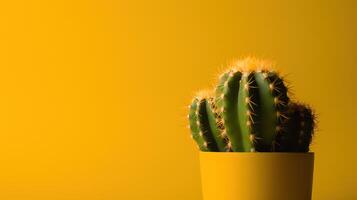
(258, 153)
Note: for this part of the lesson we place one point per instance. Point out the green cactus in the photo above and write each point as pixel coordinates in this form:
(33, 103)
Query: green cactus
(251, 111)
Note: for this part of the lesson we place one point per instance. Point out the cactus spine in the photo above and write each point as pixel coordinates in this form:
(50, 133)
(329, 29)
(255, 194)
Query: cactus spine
(251, 111)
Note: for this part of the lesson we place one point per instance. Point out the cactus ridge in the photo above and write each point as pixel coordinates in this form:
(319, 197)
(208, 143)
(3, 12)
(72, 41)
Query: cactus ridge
(229, 110)
(278, 97)
(289, 142)
(251, 111)
(247, 110)
(204, 125)
(216, 125)
(306, 128)
(220, 88)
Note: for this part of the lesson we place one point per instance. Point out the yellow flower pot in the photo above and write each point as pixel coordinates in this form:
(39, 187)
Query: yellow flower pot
(256, 176)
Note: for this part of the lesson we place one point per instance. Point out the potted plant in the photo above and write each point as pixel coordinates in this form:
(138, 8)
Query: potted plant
(253, 140)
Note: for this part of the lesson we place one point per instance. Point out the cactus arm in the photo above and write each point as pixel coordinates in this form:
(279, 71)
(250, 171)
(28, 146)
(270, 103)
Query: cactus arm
(300, 129)
(200, 126)
(288, 142)
(216, 126)
(273, 106)
(306, 131)
(194, 124)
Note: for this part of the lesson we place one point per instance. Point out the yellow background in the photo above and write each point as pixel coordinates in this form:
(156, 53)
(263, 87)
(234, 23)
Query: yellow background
(93, 94)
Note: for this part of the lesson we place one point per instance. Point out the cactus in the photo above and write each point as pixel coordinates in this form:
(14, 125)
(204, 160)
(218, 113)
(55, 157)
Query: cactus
(250, 111)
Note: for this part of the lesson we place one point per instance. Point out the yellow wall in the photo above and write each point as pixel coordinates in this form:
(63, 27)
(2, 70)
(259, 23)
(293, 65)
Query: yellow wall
(93, 94)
